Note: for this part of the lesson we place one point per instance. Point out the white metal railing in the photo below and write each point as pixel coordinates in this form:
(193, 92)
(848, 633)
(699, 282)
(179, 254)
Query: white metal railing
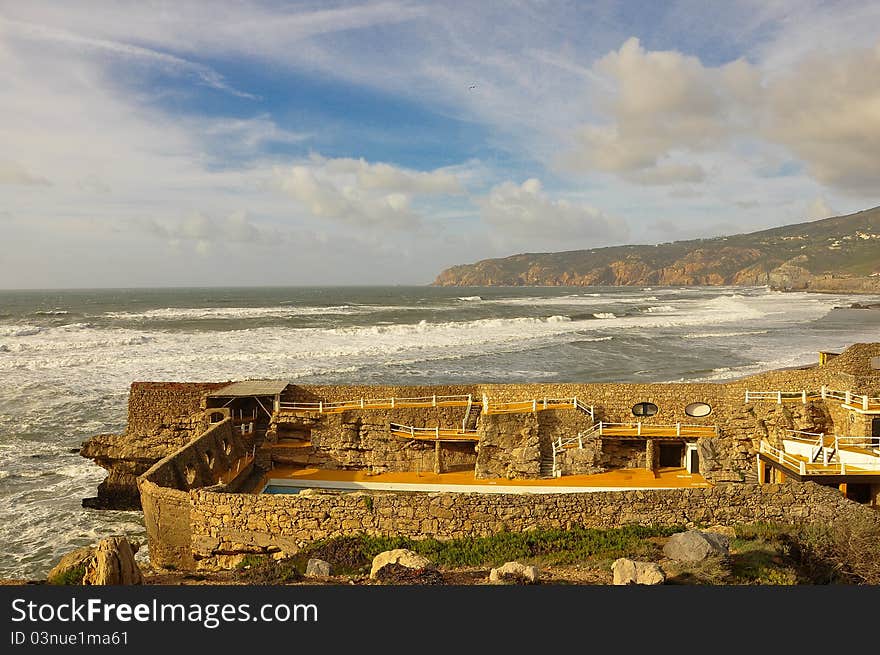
(381, 403)
(489, 407)
(646, 429)
(534, 405)
(467, 414)
(598, 429)
(811, 468)
(780, 396)
(436, 432)
(847, 397)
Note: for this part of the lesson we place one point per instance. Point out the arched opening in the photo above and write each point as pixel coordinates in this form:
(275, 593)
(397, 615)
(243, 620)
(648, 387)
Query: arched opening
(209, 459)
(227, 446)
(190, 473)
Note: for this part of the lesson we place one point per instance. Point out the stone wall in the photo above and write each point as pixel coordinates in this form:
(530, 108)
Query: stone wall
(214, 456)
(223, 523)
(167, 408)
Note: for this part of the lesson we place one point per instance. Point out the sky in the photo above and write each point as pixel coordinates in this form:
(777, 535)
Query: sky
(232, 143)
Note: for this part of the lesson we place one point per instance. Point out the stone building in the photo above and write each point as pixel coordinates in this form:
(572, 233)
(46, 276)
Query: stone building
(203, 451)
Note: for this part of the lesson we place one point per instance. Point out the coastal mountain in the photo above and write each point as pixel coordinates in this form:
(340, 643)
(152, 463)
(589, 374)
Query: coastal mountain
(841, 253)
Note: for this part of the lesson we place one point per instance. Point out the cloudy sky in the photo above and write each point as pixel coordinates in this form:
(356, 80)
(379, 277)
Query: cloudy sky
(305, 143)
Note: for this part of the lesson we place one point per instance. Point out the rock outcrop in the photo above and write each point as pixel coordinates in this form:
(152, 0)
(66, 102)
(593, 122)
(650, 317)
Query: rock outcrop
(162, 417)
(110, 562)
(514, 573)
(318, 568)
(696, 546)
(400, 556)
(626, 571)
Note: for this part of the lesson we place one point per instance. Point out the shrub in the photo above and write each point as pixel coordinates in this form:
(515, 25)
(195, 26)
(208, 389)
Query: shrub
(844, 550)
(72, 576)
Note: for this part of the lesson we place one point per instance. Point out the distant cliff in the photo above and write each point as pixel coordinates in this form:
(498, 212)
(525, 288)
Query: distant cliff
(834, 254)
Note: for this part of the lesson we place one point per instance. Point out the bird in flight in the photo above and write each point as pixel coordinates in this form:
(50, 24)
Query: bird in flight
(472, 86)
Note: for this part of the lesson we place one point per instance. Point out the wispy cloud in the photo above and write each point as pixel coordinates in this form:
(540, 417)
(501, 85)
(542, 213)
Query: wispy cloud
(168, 62)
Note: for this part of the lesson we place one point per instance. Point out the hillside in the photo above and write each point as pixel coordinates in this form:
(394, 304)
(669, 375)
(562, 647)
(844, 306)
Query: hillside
(841, 253)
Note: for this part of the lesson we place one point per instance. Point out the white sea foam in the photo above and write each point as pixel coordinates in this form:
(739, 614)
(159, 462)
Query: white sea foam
(470, 298)
(19, 330)
(215, 313)
(604, 315)
(708, 335)
(52, 312)
(658, 309)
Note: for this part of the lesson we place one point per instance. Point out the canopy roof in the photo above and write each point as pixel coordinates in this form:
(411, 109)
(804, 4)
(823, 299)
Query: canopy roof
(250, 388)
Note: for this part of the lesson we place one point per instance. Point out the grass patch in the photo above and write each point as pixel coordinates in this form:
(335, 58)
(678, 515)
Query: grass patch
(72, 576)
(353, 554)
(265, 570)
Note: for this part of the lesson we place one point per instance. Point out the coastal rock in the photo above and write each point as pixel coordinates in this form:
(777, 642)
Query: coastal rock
(696, 546)
(110, 562)
(402, 556)
(72, 566)
(627, 571)
(113, 564)
(514, 572)
(318, 568)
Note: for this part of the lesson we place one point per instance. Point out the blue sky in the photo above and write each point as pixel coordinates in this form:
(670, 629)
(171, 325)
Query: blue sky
(176, 143)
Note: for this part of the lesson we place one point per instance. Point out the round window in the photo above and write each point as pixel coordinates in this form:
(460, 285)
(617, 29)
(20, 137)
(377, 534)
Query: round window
(698, 409)
(644, 409)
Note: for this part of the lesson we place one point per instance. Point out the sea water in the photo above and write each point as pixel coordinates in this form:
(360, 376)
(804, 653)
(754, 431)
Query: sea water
(67, 359)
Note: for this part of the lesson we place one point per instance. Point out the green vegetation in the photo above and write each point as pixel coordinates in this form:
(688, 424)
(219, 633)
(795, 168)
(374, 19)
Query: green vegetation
(843, 551)
(354, 554)
(72, 576)
(265, 570)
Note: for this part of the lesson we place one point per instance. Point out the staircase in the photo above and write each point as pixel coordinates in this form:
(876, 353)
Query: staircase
(471, 417)
(546, 470)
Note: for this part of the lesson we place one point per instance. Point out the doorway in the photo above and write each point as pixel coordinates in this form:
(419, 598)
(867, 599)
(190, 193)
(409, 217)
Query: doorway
(671, 455)
(692, 458)
(875, 433)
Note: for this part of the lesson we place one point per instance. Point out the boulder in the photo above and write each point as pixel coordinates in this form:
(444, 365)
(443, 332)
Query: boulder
(113, 564)
(402, 556)
(317, 568)
(72, 566)
(696, 546)
(514, 572)
(627, 571)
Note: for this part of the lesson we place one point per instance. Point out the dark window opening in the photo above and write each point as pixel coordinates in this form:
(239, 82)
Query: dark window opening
(671, 455)
(644, 409)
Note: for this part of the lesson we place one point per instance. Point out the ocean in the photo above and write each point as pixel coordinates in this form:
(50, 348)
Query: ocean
(67, 359)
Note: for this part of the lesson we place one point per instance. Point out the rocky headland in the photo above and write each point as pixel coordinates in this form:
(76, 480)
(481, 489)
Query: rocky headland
(839, 254)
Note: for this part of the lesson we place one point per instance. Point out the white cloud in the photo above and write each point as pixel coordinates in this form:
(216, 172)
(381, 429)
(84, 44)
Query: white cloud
(525, 214)
(663, 103)
(361, 193)
(13, 173)
(171, 63)
(826, 111)
(203, 230)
